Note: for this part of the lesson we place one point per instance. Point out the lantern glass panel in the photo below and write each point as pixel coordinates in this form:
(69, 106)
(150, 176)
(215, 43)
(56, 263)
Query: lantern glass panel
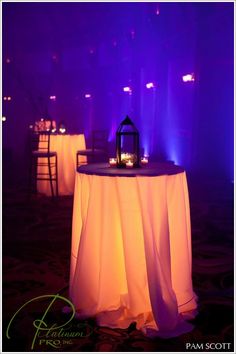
(127, 143)
(128, 148)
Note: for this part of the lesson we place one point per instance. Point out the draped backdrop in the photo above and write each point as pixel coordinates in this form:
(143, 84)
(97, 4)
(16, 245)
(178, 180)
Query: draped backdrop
(72, 61)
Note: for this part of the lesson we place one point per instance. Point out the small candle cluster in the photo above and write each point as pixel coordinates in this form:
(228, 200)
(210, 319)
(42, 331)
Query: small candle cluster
(128, 160)
(44, 125)
(62, 130)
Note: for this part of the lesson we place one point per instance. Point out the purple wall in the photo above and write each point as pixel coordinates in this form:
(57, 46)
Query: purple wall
(70, 49)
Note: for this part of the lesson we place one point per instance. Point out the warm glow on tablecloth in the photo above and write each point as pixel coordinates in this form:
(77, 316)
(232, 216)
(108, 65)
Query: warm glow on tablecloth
(131, 252)
(66, 147)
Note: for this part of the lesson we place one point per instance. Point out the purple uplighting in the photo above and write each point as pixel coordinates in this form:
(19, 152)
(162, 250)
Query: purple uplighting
(105, 66)
(132, 34)
(117, 129)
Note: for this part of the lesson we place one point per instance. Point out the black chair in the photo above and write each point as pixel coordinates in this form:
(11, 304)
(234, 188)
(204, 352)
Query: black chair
(99, 150)
(43, 162)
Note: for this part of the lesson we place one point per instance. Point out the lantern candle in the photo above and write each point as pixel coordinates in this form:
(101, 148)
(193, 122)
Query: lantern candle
(129, 164)
(123, 156)
(112, 162)
(144, 160)
(127, 144)
(126, 157)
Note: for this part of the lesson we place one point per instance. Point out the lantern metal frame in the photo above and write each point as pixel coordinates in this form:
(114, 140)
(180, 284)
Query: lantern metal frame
(122, 134)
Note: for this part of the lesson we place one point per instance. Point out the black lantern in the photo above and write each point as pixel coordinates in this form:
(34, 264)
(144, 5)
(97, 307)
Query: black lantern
(127, 144)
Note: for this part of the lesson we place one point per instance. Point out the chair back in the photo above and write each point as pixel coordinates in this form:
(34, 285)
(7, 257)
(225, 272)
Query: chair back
(40, 141)
(100, 140)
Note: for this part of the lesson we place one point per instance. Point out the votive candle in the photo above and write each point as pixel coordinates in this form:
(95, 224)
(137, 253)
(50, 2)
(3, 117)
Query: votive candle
(144, 160)
(112, 162)
(129, 164)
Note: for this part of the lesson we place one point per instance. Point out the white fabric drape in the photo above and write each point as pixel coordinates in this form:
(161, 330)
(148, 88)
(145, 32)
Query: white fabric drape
(66, 147)
(131, 252)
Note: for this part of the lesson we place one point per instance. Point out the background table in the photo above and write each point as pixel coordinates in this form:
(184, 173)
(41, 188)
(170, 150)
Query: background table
(66, 147)
(131, 248)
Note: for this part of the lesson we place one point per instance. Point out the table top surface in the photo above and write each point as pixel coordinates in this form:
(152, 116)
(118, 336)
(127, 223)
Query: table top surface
(151, 169)
(66, 134)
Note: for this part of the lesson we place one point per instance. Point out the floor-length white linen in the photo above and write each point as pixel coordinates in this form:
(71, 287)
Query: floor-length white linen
(131, 252)
(66, 147)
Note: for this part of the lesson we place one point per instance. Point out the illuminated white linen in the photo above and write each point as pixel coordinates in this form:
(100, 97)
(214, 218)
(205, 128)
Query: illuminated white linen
(131, 252)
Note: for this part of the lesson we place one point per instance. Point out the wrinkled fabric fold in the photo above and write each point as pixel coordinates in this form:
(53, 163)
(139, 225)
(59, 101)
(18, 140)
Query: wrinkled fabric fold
(131, 252)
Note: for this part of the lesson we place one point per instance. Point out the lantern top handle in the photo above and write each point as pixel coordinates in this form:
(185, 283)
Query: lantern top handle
(127, 121)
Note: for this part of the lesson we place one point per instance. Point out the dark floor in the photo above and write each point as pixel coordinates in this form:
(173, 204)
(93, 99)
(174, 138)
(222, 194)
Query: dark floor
(36, 257)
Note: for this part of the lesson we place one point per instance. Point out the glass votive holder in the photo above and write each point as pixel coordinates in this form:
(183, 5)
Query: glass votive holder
(129, 164)
(144, 160)
(112, 162)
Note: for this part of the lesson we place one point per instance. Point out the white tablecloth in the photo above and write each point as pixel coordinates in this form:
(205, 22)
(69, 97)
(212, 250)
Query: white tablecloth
(66, 147)
(131, 252)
